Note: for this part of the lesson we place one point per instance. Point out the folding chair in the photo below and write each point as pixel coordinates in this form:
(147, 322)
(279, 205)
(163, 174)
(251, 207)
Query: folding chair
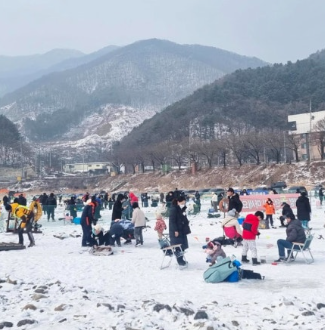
(301, 247)
(170, 251)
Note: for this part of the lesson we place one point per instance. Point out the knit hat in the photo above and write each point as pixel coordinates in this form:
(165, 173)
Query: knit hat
(232, 213)
(98, 227)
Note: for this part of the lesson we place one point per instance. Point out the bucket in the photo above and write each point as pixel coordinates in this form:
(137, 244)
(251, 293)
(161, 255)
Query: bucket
(77, 221)
(240, 220)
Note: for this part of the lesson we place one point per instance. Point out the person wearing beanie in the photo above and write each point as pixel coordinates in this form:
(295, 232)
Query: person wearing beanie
(250, 231)
(295, 233)
(303, 209)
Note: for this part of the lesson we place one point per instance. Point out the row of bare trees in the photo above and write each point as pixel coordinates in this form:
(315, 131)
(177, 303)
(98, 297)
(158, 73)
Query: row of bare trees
(249, 147)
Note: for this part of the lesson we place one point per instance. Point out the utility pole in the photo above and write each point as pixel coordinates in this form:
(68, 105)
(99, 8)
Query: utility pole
(284, 147)
(310, 129)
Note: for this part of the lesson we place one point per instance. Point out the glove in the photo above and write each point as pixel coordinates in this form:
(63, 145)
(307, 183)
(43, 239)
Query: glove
(258, 234)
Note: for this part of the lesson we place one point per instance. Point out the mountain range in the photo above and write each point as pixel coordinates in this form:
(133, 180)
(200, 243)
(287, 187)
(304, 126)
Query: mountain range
(145, 76)
(17, 71)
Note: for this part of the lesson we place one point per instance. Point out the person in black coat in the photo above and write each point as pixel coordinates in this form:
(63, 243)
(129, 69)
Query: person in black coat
(71, 205)
(43, 199)
(286, 211)
(295, 233)
(22, 200)
(87, 219)
(51, 206)
(118, 208)
(303, 209)
(116, 232)
(234, 201)
(5, 200)
(179, 227)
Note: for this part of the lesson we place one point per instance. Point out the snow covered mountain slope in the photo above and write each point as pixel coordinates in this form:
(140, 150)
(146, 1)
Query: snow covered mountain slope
(149, 74)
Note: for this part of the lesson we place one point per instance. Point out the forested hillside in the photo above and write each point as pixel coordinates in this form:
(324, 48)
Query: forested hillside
(147, 75)
(254, 98)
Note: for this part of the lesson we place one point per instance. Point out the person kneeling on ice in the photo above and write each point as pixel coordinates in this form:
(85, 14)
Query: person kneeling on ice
(214, 252)
(98, 237)
(116, 232)
(232, 228)
(295, 233)
(250, 231)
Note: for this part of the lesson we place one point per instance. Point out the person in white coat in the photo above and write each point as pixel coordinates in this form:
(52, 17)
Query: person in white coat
(139, 221)
(232, 228)
(214, 202)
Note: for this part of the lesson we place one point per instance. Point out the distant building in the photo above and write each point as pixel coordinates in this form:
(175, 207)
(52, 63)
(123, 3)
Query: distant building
(305, 127)
(91, 168)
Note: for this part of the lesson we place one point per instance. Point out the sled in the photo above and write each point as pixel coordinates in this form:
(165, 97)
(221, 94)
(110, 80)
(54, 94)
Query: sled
(11, 246)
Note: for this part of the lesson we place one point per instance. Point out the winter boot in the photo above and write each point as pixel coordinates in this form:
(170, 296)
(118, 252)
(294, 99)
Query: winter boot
(244, 259)
(255, 262)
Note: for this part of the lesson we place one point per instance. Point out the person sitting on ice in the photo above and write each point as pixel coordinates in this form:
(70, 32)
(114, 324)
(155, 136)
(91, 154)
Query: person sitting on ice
(232, 228)
(214, 252)
(295, 233)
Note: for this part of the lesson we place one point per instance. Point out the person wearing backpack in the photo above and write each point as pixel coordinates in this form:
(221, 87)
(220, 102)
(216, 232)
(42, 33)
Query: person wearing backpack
(250, 231)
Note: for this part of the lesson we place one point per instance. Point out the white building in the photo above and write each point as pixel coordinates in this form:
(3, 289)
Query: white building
(304, 127)
(91, 168)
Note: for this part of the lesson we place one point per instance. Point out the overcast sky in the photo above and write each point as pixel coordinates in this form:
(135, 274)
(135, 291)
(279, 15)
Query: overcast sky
(273, 30)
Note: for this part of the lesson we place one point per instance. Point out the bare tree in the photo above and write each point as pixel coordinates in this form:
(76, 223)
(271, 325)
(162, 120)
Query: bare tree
(254, 144)
(293, 145)
(208, 149)
(237, 145)
(274, 141)
(222, 149)
(179, 152)
(318, 137)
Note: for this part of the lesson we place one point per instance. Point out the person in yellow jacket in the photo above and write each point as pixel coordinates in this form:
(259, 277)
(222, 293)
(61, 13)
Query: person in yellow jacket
(269, 211)
(27, 218)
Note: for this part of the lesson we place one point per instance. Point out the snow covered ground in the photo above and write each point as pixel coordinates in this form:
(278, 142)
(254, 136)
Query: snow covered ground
(59, 285)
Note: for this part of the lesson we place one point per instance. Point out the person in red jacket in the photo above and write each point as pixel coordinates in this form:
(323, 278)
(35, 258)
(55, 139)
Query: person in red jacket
(133, 198)
(269, 211)
(250, 231)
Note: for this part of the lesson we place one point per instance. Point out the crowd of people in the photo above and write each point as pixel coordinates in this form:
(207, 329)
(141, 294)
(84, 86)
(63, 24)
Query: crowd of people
(128, 221)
